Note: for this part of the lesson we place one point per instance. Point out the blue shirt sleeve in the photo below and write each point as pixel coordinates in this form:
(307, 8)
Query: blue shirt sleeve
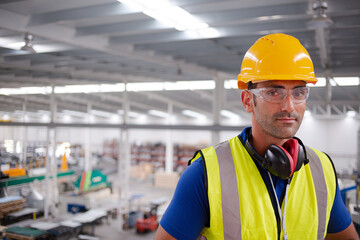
(340, 217)
(188, 211)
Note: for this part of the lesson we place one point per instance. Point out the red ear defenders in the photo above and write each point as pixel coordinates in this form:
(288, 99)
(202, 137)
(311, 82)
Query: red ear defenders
(281, 161)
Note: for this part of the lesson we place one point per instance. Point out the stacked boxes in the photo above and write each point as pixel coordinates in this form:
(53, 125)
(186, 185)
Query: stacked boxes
(166, 180)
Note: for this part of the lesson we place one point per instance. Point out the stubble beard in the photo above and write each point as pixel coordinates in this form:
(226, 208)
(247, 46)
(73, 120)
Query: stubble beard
(272, 127)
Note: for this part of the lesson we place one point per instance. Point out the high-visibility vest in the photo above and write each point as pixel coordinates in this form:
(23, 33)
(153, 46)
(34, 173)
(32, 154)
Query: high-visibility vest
(240, 204)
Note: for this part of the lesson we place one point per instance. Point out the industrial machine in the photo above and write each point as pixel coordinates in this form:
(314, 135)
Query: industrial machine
(91, 187)
(149, 222)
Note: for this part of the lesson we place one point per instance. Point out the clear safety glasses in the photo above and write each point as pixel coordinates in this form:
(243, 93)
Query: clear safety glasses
(277, 95)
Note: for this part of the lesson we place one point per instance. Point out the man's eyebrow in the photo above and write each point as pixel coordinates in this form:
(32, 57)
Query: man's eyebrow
(300, 86)
(275, 86)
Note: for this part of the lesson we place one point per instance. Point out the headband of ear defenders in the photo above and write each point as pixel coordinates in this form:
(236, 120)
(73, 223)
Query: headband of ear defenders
(281, 161)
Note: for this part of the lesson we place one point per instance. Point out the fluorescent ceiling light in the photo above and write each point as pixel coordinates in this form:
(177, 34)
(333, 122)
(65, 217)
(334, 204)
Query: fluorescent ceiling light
(147, 86)
(158, 113)
(6, 41)
(351, 113)
(6, 117)
(341, 81)
(264, 18)
(75, 113)
(102, 113)
(347, 81)
(209, 32)
(118, 87)
(134, 114)
(193, 114)
(168, 13)
(231, 84)
(158, 16)
(78, 89)
(320, 83)
(130, 113)
(190, 85)
(25, 90)
(44, 112)
(229, 114)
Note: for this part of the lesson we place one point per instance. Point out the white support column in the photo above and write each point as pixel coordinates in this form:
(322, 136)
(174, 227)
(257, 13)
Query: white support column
(217, 106)
(169, 161)
(124, 166)
(328, 95)
(51, 163)
(87, 157)
(24, 138)
(47, 202)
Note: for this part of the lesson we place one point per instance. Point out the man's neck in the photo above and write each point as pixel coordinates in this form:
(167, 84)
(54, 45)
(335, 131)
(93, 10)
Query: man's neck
(261, 141)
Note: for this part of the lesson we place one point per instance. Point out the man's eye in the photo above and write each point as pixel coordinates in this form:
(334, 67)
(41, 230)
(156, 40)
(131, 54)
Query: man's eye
(299, 93)
(272, 93)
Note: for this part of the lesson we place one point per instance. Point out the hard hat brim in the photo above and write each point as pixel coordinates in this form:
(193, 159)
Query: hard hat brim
(244, 79)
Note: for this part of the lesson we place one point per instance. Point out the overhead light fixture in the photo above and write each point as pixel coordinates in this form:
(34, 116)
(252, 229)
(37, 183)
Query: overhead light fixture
(231, 84)
(168, 13)
(193, 114)
(351, 113)
(347, 81)
(229, 114)
(130, 113)
(75, 113)
(28, 47)
(158, 113)
(101, 113)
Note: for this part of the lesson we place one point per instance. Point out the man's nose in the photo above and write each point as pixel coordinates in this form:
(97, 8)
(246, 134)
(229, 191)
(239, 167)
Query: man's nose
(287, 105)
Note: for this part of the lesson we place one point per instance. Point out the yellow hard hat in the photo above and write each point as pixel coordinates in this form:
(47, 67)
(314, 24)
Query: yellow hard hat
(276, 57)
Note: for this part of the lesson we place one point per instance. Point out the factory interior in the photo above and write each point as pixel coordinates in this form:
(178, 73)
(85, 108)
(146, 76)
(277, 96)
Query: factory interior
(104, 102)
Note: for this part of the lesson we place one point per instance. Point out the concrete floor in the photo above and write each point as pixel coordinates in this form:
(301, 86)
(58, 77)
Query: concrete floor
(109, 230)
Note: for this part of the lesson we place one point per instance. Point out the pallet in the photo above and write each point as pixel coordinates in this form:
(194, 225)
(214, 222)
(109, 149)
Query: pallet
(23, 233)
(18, 237)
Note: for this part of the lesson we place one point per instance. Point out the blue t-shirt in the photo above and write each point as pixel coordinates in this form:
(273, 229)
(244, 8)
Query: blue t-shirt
(188, 212)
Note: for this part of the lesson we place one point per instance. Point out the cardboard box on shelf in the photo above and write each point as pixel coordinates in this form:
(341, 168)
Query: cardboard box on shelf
(141, 171)
(166, 180)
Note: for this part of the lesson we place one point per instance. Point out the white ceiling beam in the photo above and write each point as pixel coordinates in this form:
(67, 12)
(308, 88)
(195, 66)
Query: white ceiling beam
(29, 7)
(228, 31)
(217, 19)
(67, 35)
(102, 77)
(175, 103)
(103, 10)
(126, 27)
(214, 6)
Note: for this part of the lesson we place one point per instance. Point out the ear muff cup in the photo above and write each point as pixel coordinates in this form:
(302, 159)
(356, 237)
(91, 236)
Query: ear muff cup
(296, 150)
(281, 161)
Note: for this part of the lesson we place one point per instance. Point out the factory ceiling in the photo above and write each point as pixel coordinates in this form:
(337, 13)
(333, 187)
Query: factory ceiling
(111, 45)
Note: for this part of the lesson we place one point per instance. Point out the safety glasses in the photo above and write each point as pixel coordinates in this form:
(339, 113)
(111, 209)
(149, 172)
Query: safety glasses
(277, 95)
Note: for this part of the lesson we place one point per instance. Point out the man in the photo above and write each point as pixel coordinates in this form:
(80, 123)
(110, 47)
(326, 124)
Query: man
(264, 183)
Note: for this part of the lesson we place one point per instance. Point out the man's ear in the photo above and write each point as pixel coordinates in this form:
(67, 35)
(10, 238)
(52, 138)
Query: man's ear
(247, 101)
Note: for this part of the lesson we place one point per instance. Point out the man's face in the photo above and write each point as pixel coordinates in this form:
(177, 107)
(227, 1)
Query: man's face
(280, 120)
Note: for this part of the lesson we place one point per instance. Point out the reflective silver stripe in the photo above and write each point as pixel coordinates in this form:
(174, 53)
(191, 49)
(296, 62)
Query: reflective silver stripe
(318, 176)
(229, 192)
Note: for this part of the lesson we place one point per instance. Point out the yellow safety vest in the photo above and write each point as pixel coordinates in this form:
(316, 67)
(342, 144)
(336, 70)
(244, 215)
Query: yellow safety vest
(240, 205)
